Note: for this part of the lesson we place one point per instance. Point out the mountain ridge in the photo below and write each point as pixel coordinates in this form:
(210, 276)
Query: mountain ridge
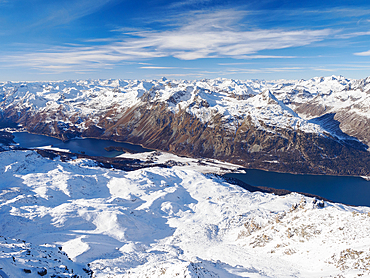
(243, 122)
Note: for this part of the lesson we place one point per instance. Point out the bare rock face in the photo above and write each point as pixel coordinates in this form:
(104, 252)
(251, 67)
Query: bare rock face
(317, 126)
(285, 150)
(352, 121)
(354, 125)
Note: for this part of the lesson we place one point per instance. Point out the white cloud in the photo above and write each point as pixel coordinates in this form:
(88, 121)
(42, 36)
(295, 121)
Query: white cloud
(203, 35)
(325, 70)
(365, 53)
(353, 35)
(153, 67)
(263, 70)
(343, 67)
(61, 12)
(268, 57)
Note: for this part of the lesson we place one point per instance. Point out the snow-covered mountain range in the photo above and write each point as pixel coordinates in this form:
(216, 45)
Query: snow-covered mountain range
(74, 219)
(319, 125)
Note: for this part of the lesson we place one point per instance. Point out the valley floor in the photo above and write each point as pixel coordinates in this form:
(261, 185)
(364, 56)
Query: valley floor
(75, 218)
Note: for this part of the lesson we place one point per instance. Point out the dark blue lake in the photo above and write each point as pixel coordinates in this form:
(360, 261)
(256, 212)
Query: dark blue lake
(347, 190)
(89, 146)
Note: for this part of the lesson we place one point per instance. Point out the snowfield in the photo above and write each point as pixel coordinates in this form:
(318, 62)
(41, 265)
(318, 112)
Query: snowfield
(166, 222)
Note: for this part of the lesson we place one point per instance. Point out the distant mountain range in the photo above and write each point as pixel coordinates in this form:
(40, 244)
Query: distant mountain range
(317, 126)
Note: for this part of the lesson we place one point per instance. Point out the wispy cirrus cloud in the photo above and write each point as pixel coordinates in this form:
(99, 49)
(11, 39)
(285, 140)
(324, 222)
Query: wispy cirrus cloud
(205, 35)
(262, 70)
(154, 67)
(42, 18)
(353, 35)
(62, 12)
(343, 67)
(365, 53)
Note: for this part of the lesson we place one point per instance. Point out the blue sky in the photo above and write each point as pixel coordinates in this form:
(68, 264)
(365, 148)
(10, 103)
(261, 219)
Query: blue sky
(194, 39)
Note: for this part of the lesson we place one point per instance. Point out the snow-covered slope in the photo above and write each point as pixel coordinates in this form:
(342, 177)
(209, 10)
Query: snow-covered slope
(158, 222)
(22, 259)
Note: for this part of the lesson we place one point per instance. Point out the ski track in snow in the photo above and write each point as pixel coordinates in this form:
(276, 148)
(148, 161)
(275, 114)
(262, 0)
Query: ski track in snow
(167, 222)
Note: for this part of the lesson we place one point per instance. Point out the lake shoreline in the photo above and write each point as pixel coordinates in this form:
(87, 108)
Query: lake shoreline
(367, 178)
(270, 190)
(338, 188)
(347, 190)
(89, 146)
(19, 130)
